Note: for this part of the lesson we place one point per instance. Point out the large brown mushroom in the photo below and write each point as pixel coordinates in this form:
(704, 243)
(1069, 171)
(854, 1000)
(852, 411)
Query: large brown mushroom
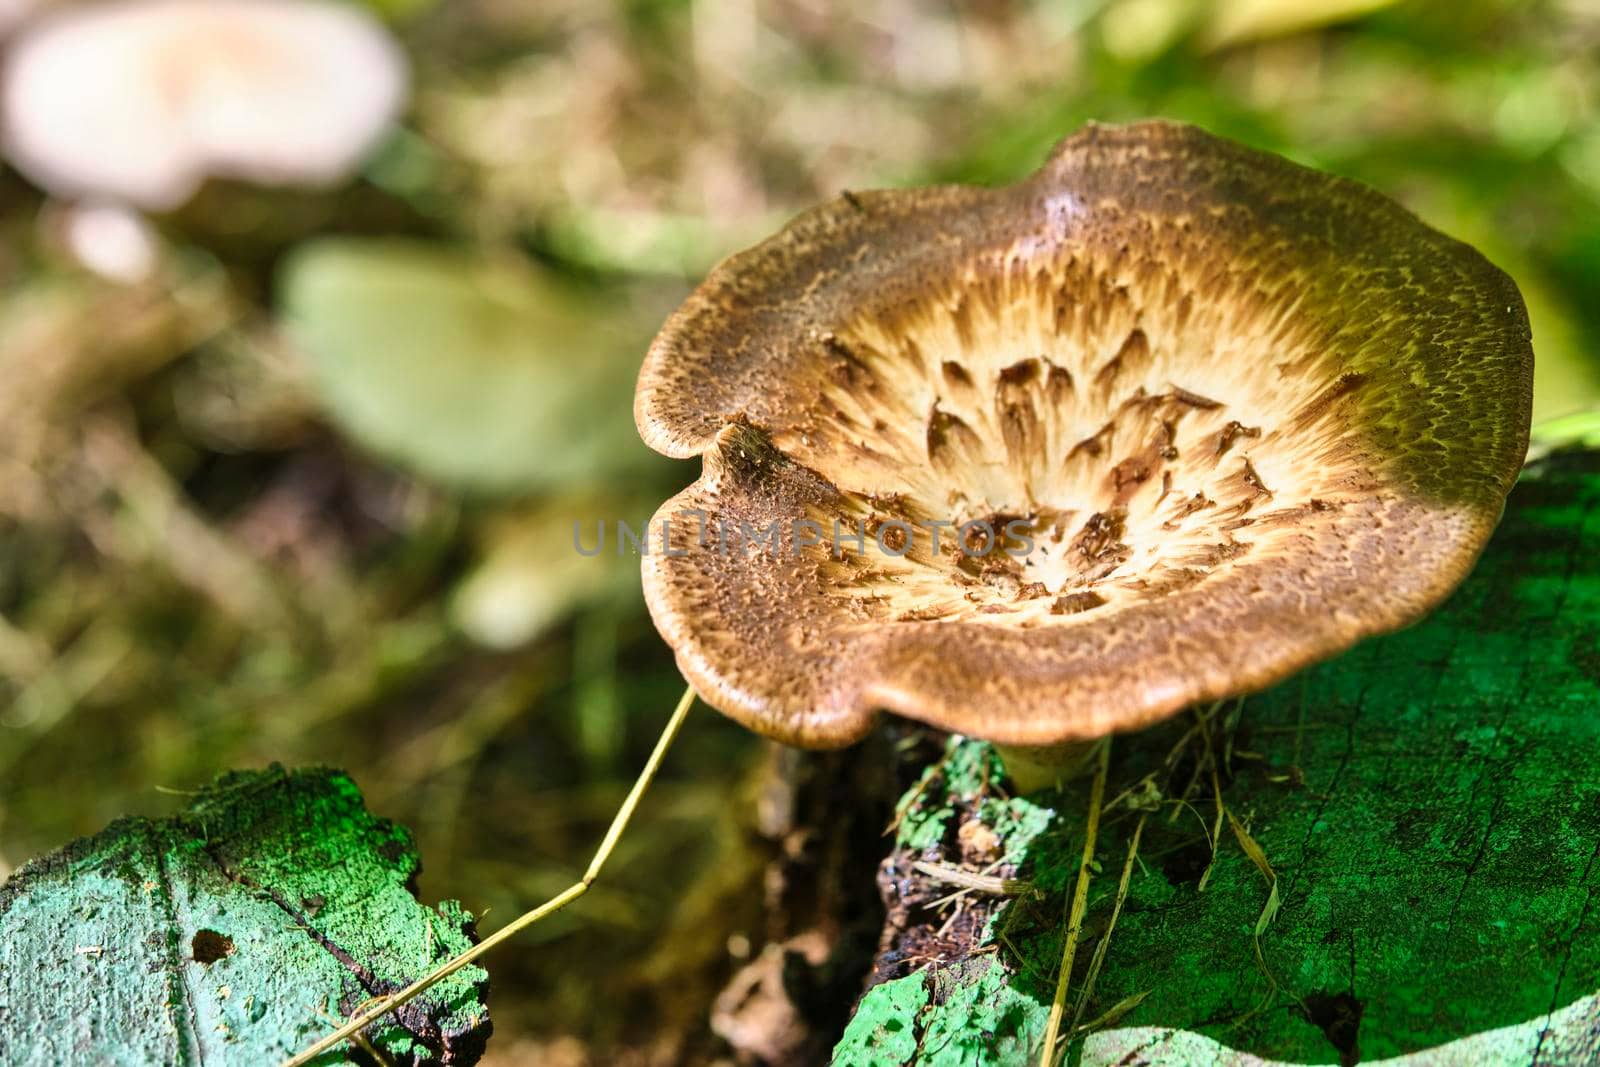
(1224, 416)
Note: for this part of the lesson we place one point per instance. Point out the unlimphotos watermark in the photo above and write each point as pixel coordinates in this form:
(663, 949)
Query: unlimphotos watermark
(893, 537)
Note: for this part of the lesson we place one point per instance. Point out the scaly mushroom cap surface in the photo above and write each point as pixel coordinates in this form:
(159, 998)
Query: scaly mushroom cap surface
(1251, 414)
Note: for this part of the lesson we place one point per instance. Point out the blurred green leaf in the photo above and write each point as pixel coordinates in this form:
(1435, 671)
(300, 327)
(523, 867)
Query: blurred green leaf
(482, 374)
(1237, 21)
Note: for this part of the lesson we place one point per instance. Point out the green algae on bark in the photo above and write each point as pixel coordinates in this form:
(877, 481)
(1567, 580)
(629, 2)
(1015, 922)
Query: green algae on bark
(231, 933)
(1431, 807)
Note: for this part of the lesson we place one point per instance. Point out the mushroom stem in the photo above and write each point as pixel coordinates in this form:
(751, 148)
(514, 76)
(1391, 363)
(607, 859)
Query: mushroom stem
(1035, 767)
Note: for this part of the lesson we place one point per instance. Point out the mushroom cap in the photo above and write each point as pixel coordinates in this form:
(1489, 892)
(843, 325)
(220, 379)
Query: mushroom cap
(141, 100)
(1250, 414)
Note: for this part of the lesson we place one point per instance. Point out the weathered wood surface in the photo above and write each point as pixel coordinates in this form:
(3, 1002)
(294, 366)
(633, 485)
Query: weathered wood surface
(233, 933)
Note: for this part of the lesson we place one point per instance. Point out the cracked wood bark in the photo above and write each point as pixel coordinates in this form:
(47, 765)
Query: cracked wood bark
(230, 934)
(1430, 804)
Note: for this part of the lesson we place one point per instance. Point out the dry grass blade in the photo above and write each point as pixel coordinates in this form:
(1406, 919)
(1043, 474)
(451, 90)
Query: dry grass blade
(1210, 758)
(360, 1040)
(624, 814)
(1259, 857)
(1100, 950)
(1080, 903)
(1112, 1014)
(978, 883)
(909, 801)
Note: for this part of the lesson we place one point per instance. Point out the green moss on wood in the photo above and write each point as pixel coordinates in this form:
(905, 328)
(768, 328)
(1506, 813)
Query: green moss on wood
(230, 934)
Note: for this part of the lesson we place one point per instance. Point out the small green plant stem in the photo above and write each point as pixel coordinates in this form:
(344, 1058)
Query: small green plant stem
(1080, 904)
(619, 823)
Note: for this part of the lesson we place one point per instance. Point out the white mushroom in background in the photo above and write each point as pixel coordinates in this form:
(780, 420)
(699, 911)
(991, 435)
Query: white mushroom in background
(140, 101)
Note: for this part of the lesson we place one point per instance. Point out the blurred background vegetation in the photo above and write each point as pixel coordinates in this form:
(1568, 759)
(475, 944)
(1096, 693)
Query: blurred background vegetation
(300, 487)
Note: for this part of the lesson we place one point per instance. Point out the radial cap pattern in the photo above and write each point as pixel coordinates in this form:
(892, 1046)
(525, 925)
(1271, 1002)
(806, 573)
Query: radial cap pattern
(1162, 423)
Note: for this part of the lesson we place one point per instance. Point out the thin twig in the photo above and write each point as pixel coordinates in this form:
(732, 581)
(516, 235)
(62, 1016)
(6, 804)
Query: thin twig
(987, 884)
(1080, 904)
(1099, 957)
(527, 919)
